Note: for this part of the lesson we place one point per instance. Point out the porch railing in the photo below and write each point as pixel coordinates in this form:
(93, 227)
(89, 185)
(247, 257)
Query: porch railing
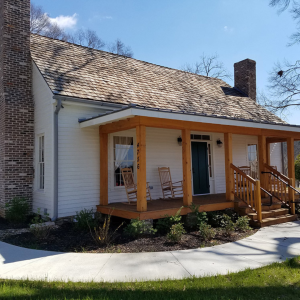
(247, 190)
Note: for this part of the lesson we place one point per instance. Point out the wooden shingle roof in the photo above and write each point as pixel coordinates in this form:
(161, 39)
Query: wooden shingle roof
(81, 72)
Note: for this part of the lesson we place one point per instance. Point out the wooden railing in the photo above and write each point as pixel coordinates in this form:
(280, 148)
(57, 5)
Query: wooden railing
(281, 187)
(247, 190)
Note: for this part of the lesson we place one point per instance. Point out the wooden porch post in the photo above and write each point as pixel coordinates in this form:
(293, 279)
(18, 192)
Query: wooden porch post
(103, 138)
(291, 170)
(141, 168)
(262, 159)
(186, 167)
(268, 154)
(228, 162)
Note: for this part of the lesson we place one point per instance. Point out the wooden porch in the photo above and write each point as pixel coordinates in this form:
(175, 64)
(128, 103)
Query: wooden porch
(159, 208)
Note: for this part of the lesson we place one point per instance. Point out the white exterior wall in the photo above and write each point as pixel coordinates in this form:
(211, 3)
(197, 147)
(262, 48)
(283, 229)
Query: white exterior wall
(78, 160)
(43, 125)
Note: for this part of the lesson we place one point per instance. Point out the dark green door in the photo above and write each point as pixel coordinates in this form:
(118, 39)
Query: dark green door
(200, 168)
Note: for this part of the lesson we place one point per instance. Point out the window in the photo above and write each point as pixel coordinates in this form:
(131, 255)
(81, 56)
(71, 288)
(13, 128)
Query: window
(200, 137)
(123, 157)
(41, 162)
(252, 153)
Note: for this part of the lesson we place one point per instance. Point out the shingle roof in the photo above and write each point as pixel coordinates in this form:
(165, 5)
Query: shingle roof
(81, 72)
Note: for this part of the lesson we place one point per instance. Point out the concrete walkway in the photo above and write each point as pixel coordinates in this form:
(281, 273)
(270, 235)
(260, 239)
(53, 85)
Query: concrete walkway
(271, 244)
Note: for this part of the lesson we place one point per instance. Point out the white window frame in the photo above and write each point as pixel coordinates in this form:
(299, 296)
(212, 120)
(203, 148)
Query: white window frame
(112, 161)
(41, 162)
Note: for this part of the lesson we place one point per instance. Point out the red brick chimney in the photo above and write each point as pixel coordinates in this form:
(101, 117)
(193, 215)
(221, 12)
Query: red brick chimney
(16, 102)
(245, 77)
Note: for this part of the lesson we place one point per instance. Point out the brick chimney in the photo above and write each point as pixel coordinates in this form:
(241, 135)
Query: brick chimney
(245, 77)
(16, 102)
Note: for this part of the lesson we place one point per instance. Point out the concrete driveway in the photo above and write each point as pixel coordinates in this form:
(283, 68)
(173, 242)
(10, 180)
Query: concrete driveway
(270, 244)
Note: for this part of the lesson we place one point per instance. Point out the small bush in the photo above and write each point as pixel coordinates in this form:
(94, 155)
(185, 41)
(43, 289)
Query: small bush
(195, 218)
(86, 218)
(297, 208)
(103, 235)
(17, 210)
(229, 225)
(216, 219)
(39, 230)
(207, 232)
(164, 225)
(176, 232)
(137, 228)
(242, 223)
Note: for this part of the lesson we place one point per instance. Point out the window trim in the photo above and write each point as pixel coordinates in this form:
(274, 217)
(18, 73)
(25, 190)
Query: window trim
(38, 163)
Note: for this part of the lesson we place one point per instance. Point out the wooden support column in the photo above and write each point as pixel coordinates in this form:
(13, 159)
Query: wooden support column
(268, 154)
(103, 138)
(291, 171)
(262, 160)
(228, 162)
(141, 168)
(187, 167)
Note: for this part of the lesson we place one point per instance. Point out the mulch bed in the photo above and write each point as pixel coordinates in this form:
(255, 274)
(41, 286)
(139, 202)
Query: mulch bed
(4, 224)
(67, 238)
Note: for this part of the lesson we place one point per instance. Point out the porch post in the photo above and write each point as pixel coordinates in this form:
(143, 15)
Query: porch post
(291, 170)
(268, 154)
(103, 138)
(228, 162)
(262, 158)
(186, 167)
(141, 168)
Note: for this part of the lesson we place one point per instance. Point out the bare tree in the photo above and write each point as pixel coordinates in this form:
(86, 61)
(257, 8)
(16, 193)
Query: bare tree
(284, 79)
(208, 65)
(118, 47)
(88, 38)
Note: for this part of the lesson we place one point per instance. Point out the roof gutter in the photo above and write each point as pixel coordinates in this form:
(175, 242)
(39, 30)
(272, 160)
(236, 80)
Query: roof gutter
(55, 185)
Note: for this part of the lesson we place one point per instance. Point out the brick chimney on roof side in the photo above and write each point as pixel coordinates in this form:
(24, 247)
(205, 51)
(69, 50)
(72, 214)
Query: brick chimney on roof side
(245, 77)
(16, 102)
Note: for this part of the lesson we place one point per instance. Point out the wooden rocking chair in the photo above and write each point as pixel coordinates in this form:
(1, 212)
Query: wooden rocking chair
(131, 187)
(169, 189)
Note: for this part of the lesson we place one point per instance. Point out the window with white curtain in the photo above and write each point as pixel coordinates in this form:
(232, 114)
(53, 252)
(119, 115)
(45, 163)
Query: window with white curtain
(123, 157)
(41, 162)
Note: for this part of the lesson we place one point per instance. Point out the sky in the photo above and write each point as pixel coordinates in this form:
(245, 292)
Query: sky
(175, 32)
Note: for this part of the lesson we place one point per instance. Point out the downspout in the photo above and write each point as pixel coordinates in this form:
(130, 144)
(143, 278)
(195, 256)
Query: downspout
(55, 142)
(282, 158)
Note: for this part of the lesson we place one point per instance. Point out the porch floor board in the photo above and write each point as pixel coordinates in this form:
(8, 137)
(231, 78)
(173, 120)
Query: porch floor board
(159, 208)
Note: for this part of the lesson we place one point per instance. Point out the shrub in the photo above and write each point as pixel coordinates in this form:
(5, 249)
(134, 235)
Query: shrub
(17, 210)
(195, 218)
(103, 235)
(242, 223)
(136, 228)
(176, 232)
(207, 232)
(164, 225)
(216, 219)
(297, 207)
(229, 225)
(86, 218)
(39, 230)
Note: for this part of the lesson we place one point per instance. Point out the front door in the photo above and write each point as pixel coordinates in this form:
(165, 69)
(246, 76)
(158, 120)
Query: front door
(200, 168)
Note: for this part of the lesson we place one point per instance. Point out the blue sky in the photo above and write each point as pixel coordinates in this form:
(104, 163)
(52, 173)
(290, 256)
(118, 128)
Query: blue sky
(174, 32)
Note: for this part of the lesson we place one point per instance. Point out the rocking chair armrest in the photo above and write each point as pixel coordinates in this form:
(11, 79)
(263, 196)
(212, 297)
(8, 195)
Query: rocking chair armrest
(177, 182)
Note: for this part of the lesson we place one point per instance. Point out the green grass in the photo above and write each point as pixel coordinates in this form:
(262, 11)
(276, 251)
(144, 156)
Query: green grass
(276, 281)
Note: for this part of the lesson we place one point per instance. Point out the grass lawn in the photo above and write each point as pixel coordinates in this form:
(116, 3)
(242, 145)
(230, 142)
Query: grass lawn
(277, 281)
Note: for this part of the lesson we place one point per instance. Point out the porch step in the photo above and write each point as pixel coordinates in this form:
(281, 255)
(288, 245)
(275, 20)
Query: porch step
(274, 220)
(244, 210)
(269, 214)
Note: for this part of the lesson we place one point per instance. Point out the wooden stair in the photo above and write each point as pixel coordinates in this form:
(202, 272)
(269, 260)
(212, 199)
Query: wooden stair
(271, 215)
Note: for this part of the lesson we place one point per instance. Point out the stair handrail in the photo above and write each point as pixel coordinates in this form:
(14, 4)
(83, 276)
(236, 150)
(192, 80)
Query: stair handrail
(288, 182)
(247, 190)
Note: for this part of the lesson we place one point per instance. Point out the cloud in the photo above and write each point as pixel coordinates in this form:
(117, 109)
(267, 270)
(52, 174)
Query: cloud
(228, 29)
(65, 22)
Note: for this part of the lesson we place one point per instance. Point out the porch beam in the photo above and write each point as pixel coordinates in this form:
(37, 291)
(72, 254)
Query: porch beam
(291, 171)
(186, 167)
(228, 162)
(141, 168)
(262, 159)
(273, 135)
(103, 139)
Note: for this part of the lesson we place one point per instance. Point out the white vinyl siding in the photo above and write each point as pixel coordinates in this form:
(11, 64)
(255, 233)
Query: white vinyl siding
(41, 162)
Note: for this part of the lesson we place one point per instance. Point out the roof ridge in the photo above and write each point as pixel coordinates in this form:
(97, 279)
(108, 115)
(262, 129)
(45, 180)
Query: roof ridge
(142, 61)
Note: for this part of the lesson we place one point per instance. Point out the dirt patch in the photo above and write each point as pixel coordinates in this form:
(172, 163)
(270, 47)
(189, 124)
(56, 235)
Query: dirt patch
(67, 238)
